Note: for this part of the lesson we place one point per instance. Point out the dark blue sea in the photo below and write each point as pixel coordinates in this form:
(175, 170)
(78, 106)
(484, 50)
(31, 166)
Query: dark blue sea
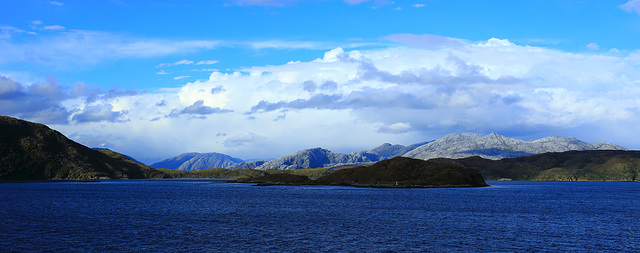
(211, 216)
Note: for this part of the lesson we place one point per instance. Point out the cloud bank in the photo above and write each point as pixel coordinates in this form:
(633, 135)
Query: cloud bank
(421, 89)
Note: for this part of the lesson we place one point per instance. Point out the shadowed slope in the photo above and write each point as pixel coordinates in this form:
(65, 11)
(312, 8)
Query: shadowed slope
(588, 165)
(31, 151)
(406, 172)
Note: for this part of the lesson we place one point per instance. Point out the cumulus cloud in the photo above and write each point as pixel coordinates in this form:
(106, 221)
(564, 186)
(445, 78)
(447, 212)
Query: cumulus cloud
(217, 89)
(52, 103)
(37, 102)
(240, 140)
(199, 108)
(395, 128)
(350, 100)
(99, 113)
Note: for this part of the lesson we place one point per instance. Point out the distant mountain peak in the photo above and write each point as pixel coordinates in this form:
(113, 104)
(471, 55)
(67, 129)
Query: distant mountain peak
(496, 146)
(197, 161)
(455, 145)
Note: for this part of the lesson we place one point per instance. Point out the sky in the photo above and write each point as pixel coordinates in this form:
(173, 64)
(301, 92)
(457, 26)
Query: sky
(261, 79)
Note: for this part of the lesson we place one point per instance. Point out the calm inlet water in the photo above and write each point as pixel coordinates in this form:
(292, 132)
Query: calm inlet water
(209, 216)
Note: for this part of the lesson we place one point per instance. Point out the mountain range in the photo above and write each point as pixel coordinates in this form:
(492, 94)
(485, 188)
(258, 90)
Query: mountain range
(459, 145)
(31, 151)
(197, 161)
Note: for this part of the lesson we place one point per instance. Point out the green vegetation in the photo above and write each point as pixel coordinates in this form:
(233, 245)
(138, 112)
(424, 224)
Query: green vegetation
(396, 172)
(214, 173)
(30, 151)
(311, 173)
(406, 172)
(593, 165)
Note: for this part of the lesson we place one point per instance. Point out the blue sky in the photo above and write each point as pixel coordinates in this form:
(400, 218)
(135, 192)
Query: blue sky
(263, 79)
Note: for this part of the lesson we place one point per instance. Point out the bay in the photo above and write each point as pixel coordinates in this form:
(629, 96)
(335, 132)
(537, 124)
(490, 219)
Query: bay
(213, 216)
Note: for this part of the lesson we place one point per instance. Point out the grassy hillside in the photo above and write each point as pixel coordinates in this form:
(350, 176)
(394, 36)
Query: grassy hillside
(30, 151)
(406, 172)
(213, 173)
(595, 165)
(392, 173)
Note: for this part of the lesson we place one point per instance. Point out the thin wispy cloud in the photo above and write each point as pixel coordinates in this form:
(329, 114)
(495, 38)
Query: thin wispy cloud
(181, 62)
(632, 6)
(284, 3)
(54, 27)
(207, 62)
(79, 48)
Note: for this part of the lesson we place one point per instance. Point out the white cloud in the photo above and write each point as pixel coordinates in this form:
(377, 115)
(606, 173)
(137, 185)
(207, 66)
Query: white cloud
(631, 6)
(56, 3)
(418, 5)
(54, 27)
(278, 3)
(76, 48)
(206, 70)
(395, 128)
(350, 100)
(99, 113)
(425, 40)
(592, 46)
(181, 62)
(180, 77)
(62, 49)
(281, 44)
(282, 3)
(6, 31)
(207, 62)
(356, 1)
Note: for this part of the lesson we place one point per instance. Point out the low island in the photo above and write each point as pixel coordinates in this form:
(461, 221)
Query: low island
(398, 172)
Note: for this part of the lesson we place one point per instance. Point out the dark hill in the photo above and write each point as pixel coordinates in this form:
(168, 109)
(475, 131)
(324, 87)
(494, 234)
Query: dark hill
(401, 172)
(278, 179)
(31, 151)
(406, 172)
(588, 165)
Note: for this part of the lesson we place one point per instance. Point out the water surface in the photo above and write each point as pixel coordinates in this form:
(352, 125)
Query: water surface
(210, 216)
